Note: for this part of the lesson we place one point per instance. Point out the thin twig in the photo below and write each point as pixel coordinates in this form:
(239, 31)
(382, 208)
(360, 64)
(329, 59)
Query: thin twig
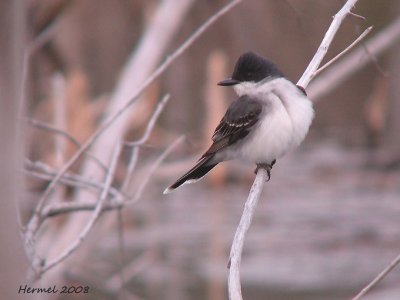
(378, 278)
(135, 150)
(326, 42)
(68, 207)
(154, 167)
(43, 171)
(73, 182)
(133, 159)
(357, 16)
(96, 213)
(354, 61)
(234, 285)
(50, 128)
(160, 70)
(121, 246)
(151, 123)
(35, 221)
(351, 46)
(44, 36)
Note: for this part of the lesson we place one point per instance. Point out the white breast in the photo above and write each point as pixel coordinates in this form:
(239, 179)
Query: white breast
(283, 125)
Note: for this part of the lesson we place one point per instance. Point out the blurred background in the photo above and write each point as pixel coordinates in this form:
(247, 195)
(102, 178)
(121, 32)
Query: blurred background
(327, 222)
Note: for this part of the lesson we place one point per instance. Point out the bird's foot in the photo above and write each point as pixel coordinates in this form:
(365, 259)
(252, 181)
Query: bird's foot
(273, 163)
(266, 167)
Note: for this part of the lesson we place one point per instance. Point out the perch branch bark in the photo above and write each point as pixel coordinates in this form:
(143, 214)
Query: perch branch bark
(234, 285)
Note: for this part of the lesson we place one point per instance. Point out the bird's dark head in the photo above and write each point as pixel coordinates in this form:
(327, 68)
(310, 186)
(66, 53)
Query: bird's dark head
(251, 67)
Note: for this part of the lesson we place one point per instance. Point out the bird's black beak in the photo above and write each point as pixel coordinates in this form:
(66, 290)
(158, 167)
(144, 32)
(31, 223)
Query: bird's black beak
(228, 82)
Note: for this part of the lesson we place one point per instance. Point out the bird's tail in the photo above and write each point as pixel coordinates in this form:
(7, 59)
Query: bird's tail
(196, 173)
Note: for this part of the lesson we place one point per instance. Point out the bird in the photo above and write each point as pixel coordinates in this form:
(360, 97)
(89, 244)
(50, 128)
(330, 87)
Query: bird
(270, 117)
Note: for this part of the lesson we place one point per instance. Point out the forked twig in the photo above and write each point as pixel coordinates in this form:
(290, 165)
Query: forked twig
(135, 150)
(154, 167)
(324, 46)
(42, 171)
(68, 207)
(50, 128)
(151, 123)
(348, 48)
(170, 59)
(96, 213)
(354, 61)
(34, 222)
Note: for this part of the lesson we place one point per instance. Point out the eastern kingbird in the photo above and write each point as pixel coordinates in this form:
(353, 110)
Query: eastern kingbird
(271, 117)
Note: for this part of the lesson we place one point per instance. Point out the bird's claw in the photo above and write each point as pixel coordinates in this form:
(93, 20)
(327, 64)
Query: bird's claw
(266, 167)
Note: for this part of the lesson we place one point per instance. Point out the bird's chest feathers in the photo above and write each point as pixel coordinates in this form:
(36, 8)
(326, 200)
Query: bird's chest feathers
(282, 127)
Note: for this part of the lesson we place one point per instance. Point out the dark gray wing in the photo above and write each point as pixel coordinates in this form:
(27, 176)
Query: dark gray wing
(236, 123)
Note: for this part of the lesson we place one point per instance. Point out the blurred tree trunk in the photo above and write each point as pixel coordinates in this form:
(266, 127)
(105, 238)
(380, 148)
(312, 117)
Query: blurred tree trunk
(12, 33)
(392, 137)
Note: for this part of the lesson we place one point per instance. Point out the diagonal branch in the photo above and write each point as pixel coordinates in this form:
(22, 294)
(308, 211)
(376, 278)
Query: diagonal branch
(234, 285)
(135, 150)
(96, 213)
(309, 73)
(160, 70)
(348, 48)
(355, 61)
(378, 278)
(68, 207)
(34, 221)
(50, 128)
(45, 172)
(154, 167)
(151, 123)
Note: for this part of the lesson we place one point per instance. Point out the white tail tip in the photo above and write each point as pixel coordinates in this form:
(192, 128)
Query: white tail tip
(167, 191)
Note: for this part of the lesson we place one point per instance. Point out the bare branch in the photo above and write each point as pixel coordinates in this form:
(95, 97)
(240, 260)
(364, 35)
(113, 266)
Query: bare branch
(76, 180)
(161, 69)
(154, 167)
(356, 60)
(121, 246)
(162, 14)
(131, 168)
(235, 291)
(308, 74)
(45, 172)
(135, 151)
(151, 123)
(234, 285)
(378, 278)
(68, 207)
(96, 213)
(351, 46)
(50, 128)
(357, 16)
